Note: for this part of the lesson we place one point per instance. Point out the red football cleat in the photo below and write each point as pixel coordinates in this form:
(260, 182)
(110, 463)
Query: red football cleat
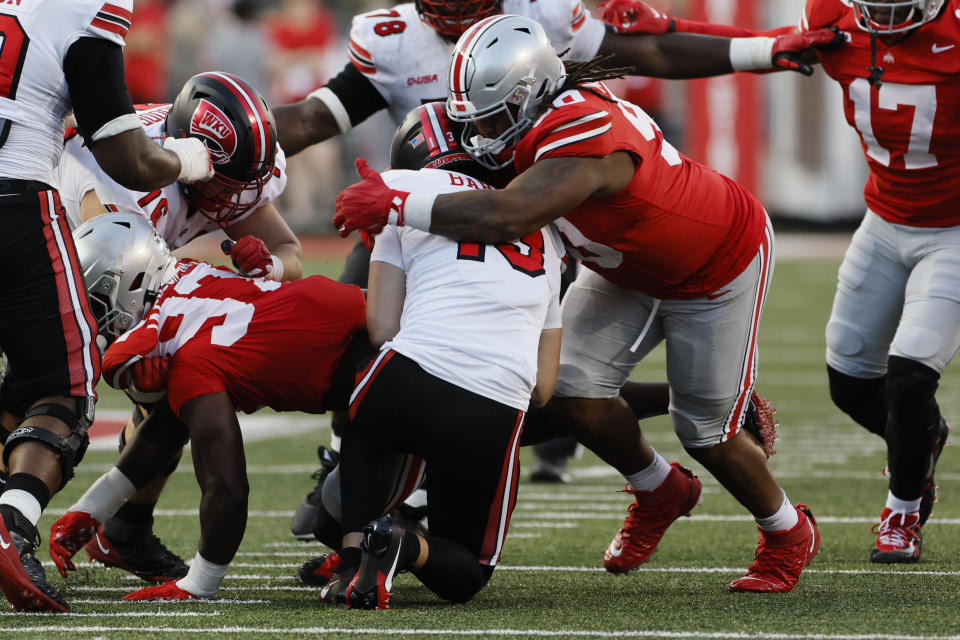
(317, 572)
(898, 538)
(168, 591)
(648, 518)
(68, 535)
(781, 557)
(22, 578)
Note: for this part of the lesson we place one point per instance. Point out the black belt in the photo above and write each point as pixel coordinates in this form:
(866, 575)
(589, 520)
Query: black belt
(18, 185)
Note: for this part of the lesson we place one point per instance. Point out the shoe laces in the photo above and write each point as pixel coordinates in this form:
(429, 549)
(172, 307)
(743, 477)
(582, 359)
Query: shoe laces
(894, 532)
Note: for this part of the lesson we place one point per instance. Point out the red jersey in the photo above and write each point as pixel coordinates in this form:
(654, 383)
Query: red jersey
(265, 343)
(678, 230)
(910, 127)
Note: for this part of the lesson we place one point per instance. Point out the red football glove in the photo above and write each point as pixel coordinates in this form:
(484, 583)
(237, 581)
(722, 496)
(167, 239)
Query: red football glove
(369, 205)
(69, 534)
(634, 16)
(150, 374)
(251, 257)
(787, 49)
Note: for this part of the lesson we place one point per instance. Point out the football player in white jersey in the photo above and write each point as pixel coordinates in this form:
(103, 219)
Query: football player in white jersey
(444, 387)
(399, 57)
(237, 126)
(58, 55)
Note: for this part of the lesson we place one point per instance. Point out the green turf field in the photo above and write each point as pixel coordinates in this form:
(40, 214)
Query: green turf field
(551, 583)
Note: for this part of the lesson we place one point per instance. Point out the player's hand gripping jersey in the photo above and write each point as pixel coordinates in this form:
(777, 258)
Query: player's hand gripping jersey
(175, 219)
(910, 127)
(679, 230)
(406, 60)
(34, 45)
(265, 343)
(473, 313)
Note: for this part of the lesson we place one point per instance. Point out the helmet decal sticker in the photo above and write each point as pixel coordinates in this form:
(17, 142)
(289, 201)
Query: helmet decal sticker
(214, 127)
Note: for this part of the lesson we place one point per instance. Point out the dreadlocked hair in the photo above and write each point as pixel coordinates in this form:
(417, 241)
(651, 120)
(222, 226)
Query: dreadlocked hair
(594, 70)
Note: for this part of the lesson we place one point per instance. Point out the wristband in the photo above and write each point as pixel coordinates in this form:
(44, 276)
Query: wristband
(418, 210)
(749, 54)
(276, 271)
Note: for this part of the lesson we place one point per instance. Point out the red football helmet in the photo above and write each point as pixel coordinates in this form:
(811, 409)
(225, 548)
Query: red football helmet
(452, 17)
(237, 126)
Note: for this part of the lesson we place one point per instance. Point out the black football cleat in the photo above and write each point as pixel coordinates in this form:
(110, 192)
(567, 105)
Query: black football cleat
(137, 550)
(22, 578)
(301, 527)
(316, 572)
(381, 547)
(930, 488)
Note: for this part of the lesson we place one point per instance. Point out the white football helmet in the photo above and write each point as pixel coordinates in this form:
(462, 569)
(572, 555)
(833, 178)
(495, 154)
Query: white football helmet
(504, 63)
(894, 16)
(124, 263)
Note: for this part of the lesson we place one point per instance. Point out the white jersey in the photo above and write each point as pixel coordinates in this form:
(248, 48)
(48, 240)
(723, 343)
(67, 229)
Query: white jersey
(406, 59)
(167, 209)
(34, 99)
(473, 313)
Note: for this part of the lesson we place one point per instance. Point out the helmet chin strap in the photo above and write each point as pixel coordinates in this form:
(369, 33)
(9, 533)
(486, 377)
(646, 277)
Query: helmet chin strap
(876, 73)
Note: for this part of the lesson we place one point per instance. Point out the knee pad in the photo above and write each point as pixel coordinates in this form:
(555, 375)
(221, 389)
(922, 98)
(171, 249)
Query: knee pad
(71, 448)
(911, 387)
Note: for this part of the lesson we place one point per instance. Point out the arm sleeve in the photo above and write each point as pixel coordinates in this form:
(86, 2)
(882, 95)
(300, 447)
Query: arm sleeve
(357, 95)
(93, 68)
(387, 248)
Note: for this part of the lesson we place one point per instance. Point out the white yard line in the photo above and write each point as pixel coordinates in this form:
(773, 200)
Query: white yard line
(541, 633)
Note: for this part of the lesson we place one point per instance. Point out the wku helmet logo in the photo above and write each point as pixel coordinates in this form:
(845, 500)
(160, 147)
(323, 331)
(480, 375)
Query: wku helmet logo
(212, 125)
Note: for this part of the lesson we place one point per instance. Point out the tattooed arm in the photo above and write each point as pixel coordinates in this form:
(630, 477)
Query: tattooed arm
(541, 194)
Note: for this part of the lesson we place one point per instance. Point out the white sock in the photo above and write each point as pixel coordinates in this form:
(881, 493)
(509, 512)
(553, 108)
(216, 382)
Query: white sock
(894, 504)
(24, 502)
(652, 476)
(784, 519)
(334, 442)
(106, 495)
(204, 578)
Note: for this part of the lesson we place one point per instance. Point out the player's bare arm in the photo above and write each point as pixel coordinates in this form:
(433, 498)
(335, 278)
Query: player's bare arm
(548, 367)
(304, 123)
(221, 470)
(541, 194)
(386, 294)
(268, 225)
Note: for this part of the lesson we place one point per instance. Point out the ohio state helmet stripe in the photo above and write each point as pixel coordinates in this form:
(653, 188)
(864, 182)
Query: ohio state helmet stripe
(255, 113)
(458, 70)
(579, 17)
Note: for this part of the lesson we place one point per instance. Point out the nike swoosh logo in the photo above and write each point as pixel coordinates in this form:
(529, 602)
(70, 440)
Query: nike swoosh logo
(105, 551)
(717, 295)
(616, 551)
(938, 49)
(388, 583)
(4, 544)
(957, 13)
(813, 537)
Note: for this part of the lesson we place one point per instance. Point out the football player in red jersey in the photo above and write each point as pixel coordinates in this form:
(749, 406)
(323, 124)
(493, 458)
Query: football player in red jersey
(398, 60)
(894, 325)
(675, 252)
(212, 342)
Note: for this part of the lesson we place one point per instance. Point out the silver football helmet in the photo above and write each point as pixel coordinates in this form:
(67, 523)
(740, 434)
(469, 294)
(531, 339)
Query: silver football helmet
(503, 64)
(124, 263)
(894, 16)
